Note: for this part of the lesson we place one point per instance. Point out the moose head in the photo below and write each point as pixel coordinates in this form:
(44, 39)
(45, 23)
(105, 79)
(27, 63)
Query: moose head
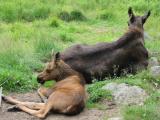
(137, 21)
(57, 70)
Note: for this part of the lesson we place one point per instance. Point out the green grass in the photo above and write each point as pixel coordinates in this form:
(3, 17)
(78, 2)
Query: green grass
(149, 111)
(31, 30)
(96, 93)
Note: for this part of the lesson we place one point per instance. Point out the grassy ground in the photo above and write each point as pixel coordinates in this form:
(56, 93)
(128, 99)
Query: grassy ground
(30, 30)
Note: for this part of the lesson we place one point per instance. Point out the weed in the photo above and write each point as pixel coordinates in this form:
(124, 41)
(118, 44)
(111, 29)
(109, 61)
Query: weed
(96, 93)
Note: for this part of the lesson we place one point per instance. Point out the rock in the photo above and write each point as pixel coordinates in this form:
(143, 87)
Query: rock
(126, 95)
(115, 118)
(153, 62)
(155, 71)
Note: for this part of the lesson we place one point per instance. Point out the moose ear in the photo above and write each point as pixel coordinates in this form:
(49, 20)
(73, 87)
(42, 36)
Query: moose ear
(130, 12)
(57, 57)
(145, 17)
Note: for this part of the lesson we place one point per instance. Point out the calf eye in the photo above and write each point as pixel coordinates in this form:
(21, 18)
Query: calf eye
(48, 70)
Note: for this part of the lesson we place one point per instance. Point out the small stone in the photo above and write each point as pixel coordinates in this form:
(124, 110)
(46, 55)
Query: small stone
(155, 71)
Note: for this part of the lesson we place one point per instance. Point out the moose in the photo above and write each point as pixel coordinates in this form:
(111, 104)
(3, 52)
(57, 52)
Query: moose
(126, 55)
(67, 96)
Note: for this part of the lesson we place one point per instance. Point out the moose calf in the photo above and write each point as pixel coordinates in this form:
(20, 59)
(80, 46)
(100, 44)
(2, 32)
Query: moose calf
(67, 96)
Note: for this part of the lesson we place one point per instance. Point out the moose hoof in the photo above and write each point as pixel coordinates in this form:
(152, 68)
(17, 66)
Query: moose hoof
(14, 108)
(4, 98)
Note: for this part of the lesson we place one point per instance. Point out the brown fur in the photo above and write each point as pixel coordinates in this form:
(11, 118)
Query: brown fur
(66, 97)
(128, 54)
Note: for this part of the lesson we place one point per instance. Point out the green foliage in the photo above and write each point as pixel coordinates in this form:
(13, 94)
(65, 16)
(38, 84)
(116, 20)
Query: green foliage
(106, 15)
(23, 10)
(31, 30)
(64, 16)
(65, 37)
(16, 71)
(146, 112)
(17, 81)
(96, 93)
(77, 15)
(54, 22)
(73, 16)
(44, 48)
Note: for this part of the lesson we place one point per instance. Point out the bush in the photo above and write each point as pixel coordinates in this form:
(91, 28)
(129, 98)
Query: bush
(106, 15)
(65, 16)
(77, 16)
(74, 15)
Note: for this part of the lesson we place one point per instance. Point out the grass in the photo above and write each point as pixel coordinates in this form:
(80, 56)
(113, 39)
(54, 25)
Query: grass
(30, 30)
(149, 111)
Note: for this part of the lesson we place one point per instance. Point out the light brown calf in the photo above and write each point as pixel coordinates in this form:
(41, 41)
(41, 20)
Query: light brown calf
(67, 96)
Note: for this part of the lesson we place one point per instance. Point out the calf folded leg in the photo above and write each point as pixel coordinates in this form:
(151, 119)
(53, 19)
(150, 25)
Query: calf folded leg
(44, 93)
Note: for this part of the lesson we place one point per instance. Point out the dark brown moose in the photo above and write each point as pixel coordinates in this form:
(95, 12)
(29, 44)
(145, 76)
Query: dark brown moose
(67, 96)
(127, 54)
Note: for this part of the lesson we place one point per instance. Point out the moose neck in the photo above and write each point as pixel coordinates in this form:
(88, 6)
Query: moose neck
(68, 72)
(138, 28)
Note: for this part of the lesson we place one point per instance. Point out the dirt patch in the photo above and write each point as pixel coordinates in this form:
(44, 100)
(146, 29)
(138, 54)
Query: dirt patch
(93, 114)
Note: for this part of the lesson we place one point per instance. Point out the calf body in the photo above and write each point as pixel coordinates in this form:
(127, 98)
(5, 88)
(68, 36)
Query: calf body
(67, 96)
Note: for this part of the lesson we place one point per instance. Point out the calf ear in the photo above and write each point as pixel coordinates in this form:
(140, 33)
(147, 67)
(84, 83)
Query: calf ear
(57, 57)
(145, 17)
(130, 12)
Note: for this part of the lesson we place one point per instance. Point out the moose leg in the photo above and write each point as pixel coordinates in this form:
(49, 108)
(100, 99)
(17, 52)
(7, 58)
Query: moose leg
(44, 93)
(31, 105)
(38, 113)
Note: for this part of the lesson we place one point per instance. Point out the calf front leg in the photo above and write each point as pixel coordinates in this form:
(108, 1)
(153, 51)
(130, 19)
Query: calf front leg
(44, 93)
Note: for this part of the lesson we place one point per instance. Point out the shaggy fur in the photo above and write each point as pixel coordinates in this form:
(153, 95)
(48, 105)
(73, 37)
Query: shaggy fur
(126, 55)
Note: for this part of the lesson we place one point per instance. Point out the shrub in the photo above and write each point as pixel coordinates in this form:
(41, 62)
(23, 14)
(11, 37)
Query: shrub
(74, 15)
(77, 15)
(65, 16)
(106, 15)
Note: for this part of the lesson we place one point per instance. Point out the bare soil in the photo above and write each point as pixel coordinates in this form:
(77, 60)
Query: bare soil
(87, 114)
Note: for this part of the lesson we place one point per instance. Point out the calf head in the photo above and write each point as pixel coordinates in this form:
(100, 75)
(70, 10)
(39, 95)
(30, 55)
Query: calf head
(54, 70)
(137, 21)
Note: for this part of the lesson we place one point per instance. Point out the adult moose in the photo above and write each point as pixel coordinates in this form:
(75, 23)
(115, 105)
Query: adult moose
(127, 54)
